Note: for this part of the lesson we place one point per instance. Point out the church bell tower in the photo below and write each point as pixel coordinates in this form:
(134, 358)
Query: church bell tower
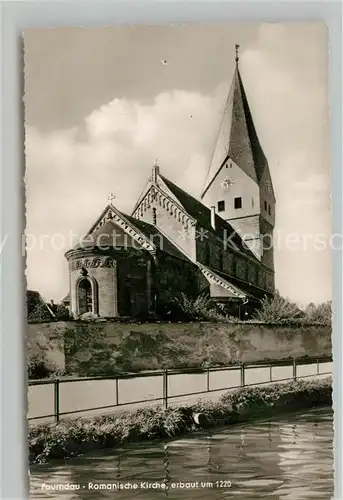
(239, 183)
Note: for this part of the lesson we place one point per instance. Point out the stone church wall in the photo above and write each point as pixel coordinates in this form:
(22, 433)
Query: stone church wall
(268, 244)
(134, 282)
(176, 276)
(211, 253)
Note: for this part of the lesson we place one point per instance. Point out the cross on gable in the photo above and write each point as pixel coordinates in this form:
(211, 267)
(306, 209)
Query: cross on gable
(111, 197)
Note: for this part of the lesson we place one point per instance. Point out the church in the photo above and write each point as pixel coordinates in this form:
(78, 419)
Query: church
(172, 243)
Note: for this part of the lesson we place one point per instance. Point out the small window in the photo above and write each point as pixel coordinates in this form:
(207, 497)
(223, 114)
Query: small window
(269, 210)
(238, 203)
(265, 206)
(221, 206)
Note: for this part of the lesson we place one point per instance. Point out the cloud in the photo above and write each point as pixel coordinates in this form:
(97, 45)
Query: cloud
(70, 172)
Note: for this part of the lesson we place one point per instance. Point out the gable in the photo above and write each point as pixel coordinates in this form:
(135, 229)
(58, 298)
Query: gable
(112, 222)
(159, 184)
(110, 235)
(159, 210)
(232, 183)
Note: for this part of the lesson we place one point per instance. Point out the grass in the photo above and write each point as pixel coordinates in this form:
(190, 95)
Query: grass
(74, 437)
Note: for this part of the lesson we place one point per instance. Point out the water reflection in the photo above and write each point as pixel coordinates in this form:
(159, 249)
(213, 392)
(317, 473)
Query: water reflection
(284, 459)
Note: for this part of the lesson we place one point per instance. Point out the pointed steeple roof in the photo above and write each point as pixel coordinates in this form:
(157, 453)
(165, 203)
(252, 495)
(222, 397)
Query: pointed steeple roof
(237, 138)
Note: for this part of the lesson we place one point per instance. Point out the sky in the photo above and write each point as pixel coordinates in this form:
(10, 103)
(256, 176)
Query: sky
(100, 107)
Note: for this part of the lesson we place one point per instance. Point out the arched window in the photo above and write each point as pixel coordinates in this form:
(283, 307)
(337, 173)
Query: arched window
(85, 296)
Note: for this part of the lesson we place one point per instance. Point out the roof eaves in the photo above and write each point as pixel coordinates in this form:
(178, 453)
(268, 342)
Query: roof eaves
(221, 281)
(209, 184)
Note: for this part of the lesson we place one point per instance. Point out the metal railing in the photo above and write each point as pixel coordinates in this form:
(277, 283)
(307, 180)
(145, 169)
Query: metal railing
(165, 375)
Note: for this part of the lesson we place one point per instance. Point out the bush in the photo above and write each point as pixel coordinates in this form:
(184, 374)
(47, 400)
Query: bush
(40, 313)
(278, 396)
(278, 310)
(72, 437)
(200, 309)
(75, 436)
(62, 313)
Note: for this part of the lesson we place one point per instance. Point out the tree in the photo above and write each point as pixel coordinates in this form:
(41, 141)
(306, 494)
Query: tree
(321, 313)
(278, 310)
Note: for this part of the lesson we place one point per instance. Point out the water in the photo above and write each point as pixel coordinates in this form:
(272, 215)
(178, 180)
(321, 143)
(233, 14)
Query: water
(289, 458)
